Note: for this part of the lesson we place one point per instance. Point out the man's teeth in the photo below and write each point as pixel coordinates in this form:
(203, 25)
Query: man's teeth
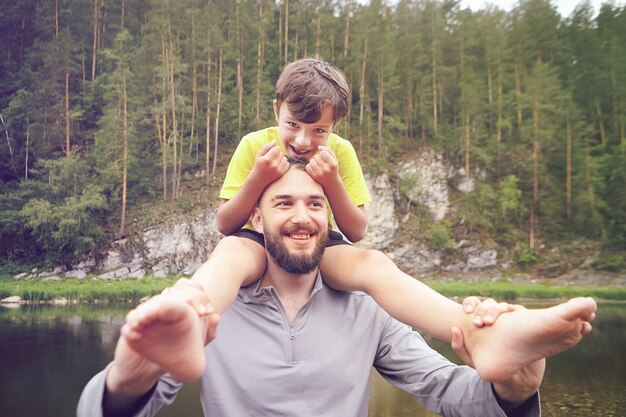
(300, 237)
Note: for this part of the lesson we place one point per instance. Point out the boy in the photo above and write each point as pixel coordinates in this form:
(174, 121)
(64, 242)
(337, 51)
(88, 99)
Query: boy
(311, 98)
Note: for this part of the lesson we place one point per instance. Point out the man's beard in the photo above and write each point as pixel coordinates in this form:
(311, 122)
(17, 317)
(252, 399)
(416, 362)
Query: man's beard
(294, 263)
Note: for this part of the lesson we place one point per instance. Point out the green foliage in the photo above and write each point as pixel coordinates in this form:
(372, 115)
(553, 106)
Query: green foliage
(439, 236)
(525, 255)
(611, 260)
(496, 90)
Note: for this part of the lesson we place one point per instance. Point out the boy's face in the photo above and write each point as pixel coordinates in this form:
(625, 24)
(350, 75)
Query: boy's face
(303, 139)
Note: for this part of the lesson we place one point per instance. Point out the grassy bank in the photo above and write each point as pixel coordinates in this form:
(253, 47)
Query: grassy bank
(132, 290)
(84, 290)
(513, 291)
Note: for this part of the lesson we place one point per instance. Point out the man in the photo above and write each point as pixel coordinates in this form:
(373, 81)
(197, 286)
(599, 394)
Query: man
(291, 346)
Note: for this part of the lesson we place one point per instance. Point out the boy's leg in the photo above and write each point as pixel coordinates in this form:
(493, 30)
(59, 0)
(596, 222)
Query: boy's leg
(346, 267)
(524, 336)
(410, 301)
(167, 330)
(235, 262)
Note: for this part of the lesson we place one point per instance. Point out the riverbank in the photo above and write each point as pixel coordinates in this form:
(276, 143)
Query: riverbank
(93, 290)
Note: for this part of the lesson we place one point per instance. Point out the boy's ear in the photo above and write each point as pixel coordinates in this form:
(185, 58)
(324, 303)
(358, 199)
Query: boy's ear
(257, 220)
(276, 109)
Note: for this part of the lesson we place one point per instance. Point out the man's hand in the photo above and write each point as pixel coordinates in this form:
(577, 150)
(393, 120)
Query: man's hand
(270, 163)
(324, 168)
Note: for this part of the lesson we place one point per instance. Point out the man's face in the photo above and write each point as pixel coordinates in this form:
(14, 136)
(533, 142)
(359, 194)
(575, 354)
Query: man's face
(302, 139)
(294, 220)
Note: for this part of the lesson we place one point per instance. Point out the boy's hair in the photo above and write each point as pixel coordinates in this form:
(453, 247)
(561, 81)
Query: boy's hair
(308, 86)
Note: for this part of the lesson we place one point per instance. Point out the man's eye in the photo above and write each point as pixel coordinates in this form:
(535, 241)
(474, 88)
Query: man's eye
(316, 204)
(284, 204)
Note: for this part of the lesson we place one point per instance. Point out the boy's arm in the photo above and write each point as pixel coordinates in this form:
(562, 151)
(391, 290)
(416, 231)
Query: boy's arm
(270, 163)
(350, 219)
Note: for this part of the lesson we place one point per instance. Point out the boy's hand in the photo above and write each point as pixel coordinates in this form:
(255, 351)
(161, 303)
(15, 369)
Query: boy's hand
(324, 167)
(270, 163)
(486, 312)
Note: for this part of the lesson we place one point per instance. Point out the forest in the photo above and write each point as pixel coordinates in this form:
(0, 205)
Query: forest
(105, 104)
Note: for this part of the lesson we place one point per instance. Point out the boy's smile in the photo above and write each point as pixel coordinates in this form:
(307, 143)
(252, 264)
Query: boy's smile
(300, 139)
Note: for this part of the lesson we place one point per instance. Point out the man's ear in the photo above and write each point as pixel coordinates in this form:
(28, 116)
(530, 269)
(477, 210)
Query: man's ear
(257, 220)
(276, 109)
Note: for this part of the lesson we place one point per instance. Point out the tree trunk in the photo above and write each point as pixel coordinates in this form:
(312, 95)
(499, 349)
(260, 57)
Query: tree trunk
(380, 111)
(217, 114)
(164, 141)
(94, 52)
(346, 35)
(67, 113)
(280, 33)
(319, 27)
(500, 103)
(622, 130)
(208, 114)
(6, 133)
(286, 31)
(434, 75)
(121, 231)
(123, 15)
(518, 91)
(362, 97)
(600, 122)
(56, 17)
(490, 94)
(590, 190)
(27, 146)
(534, 226)
(172, 99)
(194, 89)
(568, 196)
(239, 68)
(259, 66)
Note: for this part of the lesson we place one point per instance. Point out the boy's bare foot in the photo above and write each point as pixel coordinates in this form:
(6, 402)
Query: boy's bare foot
(167, 331)
(524, 336)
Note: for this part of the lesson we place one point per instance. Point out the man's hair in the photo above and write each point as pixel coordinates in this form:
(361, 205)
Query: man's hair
(308, 86)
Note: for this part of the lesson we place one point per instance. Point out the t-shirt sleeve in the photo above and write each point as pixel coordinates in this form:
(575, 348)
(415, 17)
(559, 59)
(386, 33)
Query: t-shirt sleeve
(163, 394)
(241, 163)
(351, 173)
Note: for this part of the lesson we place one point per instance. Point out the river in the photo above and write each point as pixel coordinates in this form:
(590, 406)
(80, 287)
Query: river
(48, 353)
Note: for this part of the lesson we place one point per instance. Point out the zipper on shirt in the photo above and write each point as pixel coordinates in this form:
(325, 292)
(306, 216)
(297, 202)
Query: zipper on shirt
(292, 330)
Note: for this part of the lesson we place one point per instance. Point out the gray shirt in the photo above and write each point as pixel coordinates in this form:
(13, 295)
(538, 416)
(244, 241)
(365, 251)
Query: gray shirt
(260, 364)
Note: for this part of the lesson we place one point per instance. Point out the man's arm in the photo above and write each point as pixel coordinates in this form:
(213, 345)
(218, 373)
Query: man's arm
(405, 360)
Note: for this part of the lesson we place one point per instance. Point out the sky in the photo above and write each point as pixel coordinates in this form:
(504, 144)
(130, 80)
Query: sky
(564, 7)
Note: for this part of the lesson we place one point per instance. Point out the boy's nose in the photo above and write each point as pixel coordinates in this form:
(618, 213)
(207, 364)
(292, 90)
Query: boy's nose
(302, 140)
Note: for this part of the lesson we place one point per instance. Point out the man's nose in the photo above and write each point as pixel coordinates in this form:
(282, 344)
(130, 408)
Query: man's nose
(300, 214)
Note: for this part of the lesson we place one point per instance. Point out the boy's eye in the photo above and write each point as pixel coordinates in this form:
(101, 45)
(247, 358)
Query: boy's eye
(319, 131)
(292, 124)
(316, 204)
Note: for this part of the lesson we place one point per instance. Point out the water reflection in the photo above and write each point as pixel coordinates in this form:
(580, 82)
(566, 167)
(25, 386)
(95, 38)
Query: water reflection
(47, 354)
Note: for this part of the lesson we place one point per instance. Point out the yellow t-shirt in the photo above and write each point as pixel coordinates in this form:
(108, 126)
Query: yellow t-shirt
(243, 159)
